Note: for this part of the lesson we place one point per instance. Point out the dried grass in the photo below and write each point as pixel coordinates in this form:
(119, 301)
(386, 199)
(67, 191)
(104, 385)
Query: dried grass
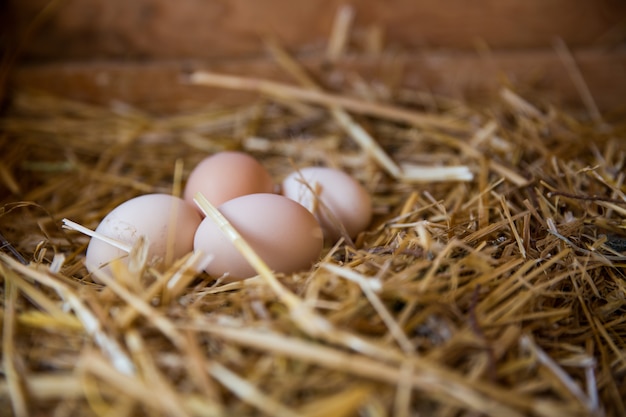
(491, 281)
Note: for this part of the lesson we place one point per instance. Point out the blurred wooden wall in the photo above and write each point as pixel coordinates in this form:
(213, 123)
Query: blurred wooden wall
(101, 50)
(83, 29)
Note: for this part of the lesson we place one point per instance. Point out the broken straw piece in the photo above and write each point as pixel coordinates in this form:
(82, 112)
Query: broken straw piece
(68, 224)
(418, 173)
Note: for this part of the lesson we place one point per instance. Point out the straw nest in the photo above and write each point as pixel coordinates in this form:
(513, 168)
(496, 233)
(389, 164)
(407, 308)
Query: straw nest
(490, 282)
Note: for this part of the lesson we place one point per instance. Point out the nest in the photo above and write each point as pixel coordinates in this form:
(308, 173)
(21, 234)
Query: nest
(491, 281)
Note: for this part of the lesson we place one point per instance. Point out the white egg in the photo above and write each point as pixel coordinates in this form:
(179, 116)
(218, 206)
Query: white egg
(154, 216)
(337, 200)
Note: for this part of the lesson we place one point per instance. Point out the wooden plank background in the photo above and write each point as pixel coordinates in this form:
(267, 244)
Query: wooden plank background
(167, 29)
(135, 51)
(160, 87)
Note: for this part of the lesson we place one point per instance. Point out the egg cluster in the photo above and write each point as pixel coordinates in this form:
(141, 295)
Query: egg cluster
(285, 224)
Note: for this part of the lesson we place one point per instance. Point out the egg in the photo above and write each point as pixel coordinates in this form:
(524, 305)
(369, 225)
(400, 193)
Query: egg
(153, 216)
(335, 198)
(226, 175)
(282, 232)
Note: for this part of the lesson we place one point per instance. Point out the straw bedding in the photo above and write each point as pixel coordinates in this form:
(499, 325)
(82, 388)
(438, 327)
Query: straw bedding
(497, 293)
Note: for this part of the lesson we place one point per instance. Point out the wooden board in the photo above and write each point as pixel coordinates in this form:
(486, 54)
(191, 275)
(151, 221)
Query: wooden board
(165, 29)
(158, 85)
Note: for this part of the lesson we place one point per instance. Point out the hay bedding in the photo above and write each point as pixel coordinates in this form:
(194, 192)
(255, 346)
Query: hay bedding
(498, 295)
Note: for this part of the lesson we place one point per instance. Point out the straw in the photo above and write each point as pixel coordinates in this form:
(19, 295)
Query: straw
(355, 130)
(489, 282)
(281, 90)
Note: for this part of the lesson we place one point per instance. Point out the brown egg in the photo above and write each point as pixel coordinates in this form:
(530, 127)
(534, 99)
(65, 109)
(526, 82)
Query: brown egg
(282, 232)
(226, 175)
(335, 198)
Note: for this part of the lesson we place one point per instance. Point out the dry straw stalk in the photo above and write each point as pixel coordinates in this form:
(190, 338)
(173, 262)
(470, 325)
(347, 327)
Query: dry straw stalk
(493, 286)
